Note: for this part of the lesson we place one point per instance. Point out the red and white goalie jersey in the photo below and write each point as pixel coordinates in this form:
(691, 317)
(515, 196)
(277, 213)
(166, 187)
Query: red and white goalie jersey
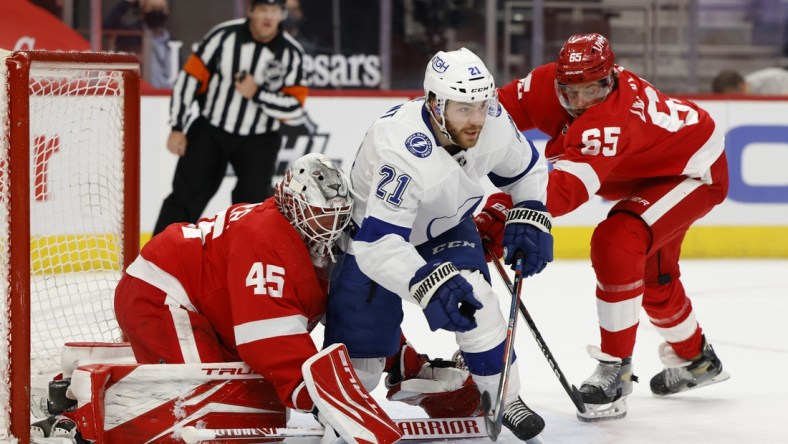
(614, 147)
(248, 272)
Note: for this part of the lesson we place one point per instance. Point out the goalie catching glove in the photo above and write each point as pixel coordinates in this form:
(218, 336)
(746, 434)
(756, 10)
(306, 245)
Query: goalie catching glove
(439, 387)
(527, 233)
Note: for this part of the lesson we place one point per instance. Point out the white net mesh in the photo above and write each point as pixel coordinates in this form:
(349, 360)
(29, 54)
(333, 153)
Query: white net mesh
(76, 211)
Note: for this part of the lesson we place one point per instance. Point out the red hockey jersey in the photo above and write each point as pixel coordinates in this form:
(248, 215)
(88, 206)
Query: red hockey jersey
(249, 272)
(616, 146)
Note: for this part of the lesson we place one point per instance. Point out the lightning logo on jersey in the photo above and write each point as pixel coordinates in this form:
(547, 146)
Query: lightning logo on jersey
(419, 145)
(405, 197)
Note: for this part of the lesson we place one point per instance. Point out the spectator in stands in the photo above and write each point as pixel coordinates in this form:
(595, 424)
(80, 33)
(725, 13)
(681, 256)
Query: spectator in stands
(728, 81)
(294, 17)
(53, 6)
(767, 81)
(138, 26)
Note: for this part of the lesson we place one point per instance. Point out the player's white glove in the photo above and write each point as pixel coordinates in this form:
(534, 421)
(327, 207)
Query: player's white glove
(445, 296)
(527, 233)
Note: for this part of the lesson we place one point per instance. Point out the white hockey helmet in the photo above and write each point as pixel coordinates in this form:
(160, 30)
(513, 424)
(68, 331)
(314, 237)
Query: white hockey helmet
(460, 76)
(315, 196)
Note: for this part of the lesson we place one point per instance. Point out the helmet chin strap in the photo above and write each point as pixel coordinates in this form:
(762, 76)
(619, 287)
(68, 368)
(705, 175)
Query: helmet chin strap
(442, 122)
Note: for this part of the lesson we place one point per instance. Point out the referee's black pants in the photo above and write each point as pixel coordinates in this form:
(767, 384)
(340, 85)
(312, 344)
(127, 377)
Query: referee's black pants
(202, 168)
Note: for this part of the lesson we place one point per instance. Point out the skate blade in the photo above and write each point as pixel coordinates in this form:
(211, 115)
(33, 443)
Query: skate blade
(723, 376)
(604, 412)
(535, 440)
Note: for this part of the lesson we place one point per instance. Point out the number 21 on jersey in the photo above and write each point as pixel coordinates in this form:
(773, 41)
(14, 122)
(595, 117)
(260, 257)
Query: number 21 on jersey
(389, 174)
(266, 279)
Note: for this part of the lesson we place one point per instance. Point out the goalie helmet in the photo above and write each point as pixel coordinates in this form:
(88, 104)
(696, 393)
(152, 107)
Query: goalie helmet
(315, 196)
(460, 76)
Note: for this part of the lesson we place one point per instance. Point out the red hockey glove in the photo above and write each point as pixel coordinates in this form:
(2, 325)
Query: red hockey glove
(491, 220)
(439, 387)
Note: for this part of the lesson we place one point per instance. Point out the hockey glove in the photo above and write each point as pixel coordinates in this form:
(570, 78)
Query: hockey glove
(490, 222)
(445, 296)
(527, 233)
(438, 386)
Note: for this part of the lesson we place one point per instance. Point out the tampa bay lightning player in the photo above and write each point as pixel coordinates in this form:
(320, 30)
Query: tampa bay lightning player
(417, 180)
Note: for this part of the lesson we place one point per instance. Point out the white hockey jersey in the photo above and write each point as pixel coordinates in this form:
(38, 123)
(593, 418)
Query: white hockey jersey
(408, 189)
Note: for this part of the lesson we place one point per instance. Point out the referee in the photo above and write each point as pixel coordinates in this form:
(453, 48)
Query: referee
(240, 82)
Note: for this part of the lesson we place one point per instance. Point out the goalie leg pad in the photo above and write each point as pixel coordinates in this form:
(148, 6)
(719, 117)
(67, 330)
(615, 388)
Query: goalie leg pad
(342, 401)
(75, 354)
(143, 402)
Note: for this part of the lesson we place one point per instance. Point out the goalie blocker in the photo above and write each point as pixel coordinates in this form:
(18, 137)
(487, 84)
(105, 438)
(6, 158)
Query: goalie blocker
(153, 402)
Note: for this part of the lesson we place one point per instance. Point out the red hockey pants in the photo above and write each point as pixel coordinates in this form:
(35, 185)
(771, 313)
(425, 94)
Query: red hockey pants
(161, 332)
(635, 254)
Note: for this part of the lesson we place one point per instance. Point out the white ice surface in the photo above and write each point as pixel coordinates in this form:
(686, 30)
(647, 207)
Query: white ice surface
(742, 307)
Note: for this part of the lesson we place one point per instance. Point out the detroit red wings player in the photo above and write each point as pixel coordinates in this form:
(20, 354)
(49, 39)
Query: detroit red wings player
(615, 135)
(241, 285)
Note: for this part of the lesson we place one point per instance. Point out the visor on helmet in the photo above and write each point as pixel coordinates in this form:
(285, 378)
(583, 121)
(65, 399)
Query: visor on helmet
(576, 98)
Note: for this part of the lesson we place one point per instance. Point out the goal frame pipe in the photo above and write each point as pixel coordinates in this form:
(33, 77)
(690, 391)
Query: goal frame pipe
(19, 244)
(19, 65)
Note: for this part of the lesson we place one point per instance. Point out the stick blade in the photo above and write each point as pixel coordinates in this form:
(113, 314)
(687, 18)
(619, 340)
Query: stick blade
(577, 399)
(492, 421)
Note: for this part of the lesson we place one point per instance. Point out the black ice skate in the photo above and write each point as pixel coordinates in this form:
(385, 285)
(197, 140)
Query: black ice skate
(55, 426)
(524, 423)
(681, 375)
(605, 391)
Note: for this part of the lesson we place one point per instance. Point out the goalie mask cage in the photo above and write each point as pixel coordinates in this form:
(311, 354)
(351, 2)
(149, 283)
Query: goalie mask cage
(69, 211)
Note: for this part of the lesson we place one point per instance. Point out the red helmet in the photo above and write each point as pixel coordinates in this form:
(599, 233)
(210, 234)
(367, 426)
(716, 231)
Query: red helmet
(584, 58)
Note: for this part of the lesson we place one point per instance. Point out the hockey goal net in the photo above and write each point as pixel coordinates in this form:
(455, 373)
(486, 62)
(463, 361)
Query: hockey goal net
(69, 210)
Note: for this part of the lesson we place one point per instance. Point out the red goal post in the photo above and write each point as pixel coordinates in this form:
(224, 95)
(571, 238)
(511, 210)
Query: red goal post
(69, 211)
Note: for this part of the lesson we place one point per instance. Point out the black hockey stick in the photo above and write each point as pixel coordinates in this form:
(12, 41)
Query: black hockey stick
(571, 390)
(493, 414)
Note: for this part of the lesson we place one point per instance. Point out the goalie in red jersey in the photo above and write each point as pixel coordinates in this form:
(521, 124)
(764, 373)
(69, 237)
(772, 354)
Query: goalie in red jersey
(248, 284)
(661, 159)
(220, 313)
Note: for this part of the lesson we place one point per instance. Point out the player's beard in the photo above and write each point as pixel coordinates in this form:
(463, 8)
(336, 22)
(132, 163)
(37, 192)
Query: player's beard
(460, 137)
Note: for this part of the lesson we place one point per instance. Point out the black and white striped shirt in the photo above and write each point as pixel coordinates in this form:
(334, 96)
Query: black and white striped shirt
(206, 84)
